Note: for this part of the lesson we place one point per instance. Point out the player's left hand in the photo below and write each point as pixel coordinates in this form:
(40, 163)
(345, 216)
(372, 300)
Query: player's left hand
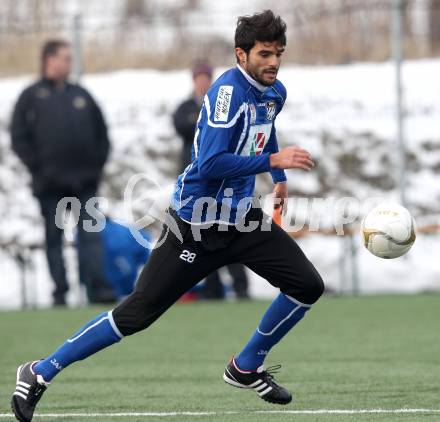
(280, 192)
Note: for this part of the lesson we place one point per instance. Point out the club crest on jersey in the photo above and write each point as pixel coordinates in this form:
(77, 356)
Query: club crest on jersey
(270, 110)
(223, 103)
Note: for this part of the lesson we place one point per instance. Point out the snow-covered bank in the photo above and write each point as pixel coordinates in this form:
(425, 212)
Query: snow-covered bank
(343, 115)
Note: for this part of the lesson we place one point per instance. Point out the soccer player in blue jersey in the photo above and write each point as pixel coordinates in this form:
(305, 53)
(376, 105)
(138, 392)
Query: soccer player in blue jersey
(216, 223)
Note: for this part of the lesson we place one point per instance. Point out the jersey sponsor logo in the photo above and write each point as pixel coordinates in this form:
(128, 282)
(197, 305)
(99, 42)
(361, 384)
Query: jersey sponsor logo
(223, 103)
(258, 143)
(270, 110)
(257, 139)
(253, 113)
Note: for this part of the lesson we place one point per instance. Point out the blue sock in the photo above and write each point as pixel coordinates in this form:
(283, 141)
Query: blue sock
(94, 336)
(281, 316)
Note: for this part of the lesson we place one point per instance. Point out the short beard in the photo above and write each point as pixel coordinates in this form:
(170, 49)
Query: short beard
(256, 78)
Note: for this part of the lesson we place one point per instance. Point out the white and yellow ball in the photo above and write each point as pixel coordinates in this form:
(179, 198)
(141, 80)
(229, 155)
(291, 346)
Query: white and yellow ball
(388, 231)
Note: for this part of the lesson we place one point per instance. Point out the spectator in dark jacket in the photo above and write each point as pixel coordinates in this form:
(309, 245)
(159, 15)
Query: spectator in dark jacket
(186, 115)
(185, 119)
(59, 133)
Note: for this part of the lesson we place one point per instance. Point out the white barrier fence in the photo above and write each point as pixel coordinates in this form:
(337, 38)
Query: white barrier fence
(345, 265)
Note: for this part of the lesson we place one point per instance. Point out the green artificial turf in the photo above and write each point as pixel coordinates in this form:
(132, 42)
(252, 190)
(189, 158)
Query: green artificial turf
(348, 353)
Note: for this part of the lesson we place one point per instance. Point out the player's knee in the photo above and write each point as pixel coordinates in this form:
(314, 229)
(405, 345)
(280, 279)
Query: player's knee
(132, 315)
(130, 327)
(314, 286)
(310, 289)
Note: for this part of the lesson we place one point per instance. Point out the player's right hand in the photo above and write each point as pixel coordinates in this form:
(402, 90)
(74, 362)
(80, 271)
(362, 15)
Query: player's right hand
(290, 158)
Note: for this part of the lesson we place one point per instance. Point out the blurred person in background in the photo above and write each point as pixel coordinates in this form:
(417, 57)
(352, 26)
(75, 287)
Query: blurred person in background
(59, 133)
(124, 256)
(186, 115)
(185, 120)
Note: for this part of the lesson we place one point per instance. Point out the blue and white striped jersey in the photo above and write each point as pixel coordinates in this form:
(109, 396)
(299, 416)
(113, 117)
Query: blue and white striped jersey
(234, 137)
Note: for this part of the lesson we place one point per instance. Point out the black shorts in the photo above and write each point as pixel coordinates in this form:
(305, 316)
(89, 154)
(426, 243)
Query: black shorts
(176, 266)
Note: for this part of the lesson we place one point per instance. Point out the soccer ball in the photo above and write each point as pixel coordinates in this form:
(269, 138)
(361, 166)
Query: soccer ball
(388, 231)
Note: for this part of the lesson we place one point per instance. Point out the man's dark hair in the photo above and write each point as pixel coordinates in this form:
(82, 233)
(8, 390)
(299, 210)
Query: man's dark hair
(263, 27)
(50, 48)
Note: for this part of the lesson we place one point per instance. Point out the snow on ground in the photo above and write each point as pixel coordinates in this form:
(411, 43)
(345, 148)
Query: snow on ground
(343, 114)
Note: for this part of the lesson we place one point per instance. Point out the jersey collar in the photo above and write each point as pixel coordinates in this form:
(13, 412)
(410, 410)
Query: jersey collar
(252, 81)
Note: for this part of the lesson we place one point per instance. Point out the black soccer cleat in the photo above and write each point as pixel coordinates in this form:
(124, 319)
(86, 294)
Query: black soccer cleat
(28, 391)
(260, 380)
